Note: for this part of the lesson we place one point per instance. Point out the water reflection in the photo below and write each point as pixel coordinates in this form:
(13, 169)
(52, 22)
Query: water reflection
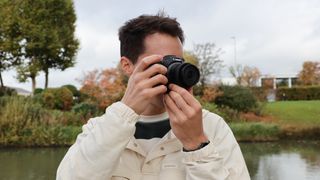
(265, 161)
(285, 160)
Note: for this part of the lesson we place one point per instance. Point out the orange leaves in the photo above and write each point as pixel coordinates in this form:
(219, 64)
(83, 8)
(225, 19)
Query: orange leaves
(104, 87)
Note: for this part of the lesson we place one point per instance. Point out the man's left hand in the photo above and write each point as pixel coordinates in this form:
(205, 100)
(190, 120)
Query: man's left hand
(185, 114)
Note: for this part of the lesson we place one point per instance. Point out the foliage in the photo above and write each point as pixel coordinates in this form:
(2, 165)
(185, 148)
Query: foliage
(236, 97)
(57, 98)
(38, 91)
(191, 58)
(104, 87)
(255, 131)
(298, 93)
(260, 93)
(9, 37)
(5, 91)
(24, 121)
(209, 62)
(210, 93)
(44, 35)
(310, 73)
(73, 89)
(86, 109)
(245, 75)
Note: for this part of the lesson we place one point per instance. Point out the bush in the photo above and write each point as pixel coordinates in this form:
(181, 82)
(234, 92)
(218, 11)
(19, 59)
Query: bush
(5, 91)
(236, 97)
(73, 89)
(86, 109)
(260, 93)
(298, 93)
(57, 98)
(38, 91)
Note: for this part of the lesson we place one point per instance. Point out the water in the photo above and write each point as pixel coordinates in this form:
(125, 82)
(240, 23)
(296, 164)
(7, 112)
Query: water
(265, 161)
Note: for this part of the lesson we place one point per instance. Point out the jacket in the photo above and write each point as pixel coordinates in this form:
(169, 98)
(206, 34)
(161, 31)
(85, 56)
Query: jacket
(106, 149)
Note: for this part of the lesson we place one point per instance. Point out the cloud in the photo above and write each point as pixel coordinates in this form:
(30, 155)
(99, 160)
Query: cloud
(275, 36)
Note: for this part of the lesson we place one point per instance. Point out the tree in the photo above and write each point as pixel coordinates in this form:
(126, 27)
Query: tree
(310, 73)
(104, 87)
(209, 62)
(245, 75)
(47, 34)
(10, 31)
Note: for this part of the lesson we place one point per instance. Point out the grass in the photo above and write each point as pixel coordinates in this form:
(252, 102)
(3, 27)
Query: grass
(295, 113)
(255, 131)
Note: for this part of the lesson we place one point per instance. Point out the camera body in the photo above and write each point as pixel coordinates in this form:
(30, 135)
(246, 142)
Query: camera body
(179, 72)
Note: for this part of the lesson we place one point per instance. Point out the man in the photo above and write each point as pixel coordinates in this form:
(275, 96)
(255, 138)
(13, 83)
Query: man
(151, 134)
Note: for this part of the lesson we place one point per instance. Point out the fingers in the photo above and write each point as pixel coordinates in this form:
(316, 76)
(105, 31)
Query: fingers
(147, 61)
(156, 80)
(180, 103)
(189, 99)
(152, 92)
(173, 109)
(154, 69)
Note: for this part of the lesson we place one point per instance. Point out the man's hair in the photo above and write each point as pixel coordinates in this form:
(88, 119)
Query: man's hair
(133, 33)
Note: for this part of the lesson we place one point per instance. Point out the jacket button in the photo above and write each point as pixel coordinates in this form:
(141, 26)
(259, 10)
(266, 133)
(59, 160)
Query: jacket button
(135, 144)
(162, 148)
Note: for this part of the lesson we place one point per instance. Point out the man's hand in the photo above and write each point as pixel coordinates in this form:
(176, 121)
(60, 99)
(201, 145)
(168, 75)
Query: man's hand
(147, 81)
(185, 114)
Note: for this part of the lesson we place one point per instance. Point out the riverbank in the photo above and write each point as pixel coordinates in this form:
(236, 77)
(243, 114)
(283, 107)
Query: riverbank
(25, 123)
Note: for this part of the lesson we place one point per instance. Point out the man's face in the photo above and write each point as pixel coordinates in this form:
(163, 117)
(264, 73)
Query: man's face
(161, 44)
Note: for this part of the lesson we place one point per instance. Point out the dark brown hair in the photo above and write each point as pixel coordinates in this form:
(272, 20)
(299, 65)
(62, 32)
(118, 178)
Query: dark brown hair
(134, 31)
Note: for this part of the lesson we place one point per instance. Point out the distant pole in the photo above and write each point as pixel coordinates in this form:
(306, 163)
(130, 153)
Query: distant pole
(235, 50)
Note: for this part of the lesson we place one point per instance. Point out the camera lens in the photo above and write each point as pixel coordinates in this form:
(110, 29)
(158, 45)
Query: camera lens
(179, 72)
(189, 74)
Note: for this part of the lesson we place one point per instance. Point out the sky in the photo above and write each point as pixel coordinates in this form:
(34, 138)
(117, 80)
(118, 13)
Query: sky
(276, 36)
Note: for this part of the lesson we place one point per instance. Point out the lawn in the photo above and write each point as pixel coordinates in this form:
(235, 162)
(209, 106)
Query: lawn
(297, 113)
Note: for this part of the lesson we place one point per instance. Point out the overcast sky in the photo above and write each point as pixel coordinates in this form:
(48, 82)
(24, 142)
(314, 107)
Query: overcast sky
(275, 35)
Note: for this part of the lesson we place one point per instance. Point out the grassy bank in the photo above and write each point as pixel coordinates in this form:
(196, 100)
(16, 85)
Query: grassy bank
(290, 120)
(25, 122)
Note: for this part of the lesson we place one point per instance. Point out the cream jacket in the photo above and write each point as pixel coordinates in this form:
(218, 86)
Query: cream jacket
(106, 149)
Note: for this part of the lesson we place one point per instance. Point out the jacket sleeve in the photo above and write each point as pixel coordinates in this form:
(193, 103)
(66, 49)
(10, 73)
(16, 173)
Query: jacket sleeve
(221, 159)
(98, 148)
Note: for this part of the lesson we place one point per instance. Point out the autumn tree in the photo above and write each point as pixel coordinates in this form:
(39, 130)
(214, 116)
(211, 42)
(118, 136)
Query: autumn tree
(310, 73)
(245, 75)
(104, 87)
(209, 62)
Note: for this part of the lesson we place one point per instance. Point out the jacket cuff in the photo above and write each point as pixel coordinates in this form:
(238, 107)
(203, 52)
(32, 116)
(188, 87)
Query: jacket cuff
(202, 155)
(124, 111)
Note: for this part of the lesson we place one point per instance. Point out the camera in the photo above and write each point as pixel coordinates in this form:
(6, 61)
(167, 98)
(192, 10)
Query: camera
(179, 72)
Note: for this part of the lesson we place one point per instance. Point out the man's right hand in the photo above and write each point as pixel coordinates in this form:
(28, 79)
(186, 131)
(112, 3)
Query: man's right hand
(147, 81)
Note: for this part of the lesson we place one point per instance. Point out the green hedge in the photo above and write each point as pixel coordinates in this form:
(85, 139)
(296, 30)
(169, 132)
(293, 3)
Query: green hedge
(236, 97)
(298, 93)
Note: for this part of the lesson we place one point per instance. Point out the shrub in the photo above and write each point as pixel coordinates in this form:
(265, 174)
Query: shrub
(57, 98)
(236, 97)
(5, 91)
(298, 93)
(37, 91)
(73, 89)
(86, 109)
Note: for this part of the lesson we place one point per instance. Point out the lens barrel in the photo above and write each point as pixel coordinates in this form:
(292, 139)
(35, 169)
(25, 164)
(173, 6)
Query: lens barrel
(183, 74)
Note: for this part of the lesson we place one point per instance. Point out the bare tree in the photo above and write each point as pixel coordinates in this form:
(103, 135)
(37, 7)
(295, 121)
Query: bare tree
(245, 75)
(209, 62)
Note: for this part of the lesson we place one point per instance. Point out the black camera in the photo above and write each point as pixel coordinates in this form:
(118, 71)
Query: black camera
(179, 72)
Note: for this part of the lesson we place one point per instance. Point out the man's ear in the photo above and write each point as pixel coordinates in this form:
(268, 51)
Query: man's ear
(126, 65)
